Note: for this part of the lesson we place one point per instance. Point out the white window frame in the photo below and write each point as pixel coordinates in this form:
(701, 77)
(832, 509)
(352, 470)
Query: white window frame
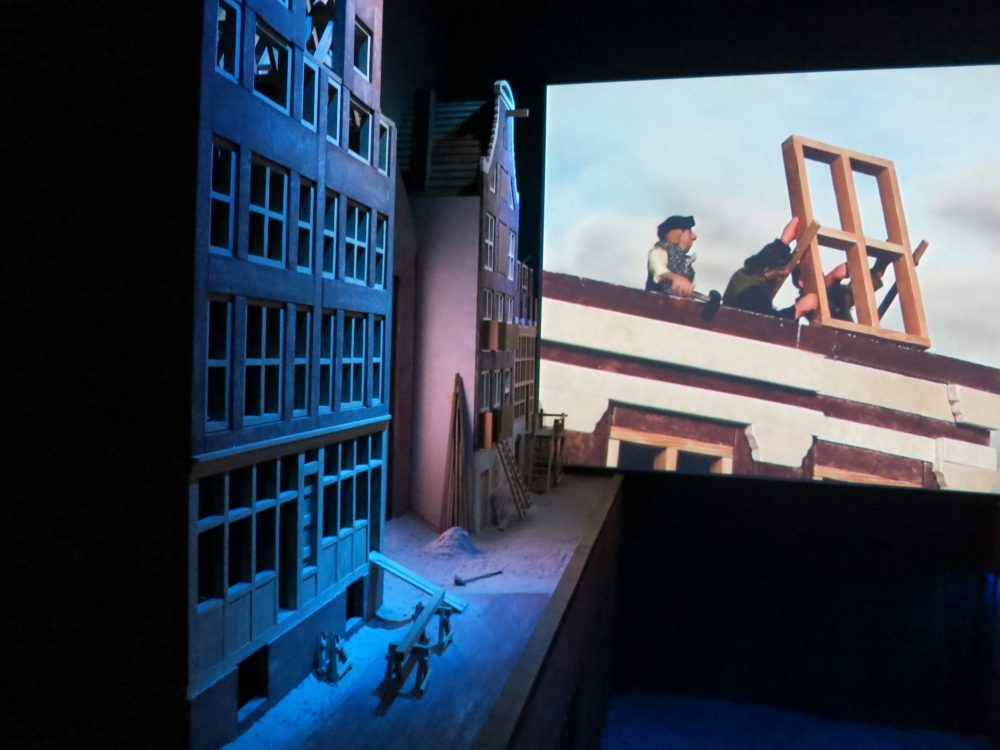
(487, 304)
(356, 243)
(384, 153)
(332, 84)
(381, 250)
(511, 253)
(493, 178)
(489, 241)
(365, 72)
(484, 390)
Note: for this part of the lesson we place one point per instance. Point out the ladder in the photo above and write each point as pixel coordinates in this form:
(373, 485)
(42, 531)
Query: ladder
(517, 487)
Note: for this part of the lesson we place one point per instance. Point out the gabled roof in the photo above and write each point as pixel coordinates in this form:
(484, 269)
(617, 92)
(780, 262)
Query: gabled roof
(462, 142)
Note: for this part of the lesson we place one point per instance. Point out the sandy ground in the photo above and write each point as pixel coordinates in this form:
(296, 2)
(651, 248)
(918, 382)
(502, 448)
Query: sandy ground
(489, 635)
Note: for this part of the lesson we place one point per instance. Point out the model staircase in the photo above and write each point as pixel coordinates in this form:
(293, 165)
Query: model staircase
(517, 487)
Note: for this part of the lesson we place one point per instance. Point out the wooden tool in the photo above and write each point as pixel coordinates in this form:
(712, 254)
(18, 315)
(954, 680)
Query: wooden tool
(459, 581)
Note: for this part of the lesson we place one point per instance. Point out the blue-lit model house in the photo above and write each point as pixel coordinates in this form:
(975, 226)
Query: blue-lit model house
(292, 307)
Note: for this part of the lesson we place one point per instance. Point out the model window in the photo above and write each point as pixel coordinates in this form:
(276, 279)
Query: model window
(352, 384)
(510, 191)
(497, 385)
(319, 27)
(383, 147)
(271, 68)
(217, 393)
(381, 245)
(487, 303)
(227, 38)
(223, 197)
(484, 390)
(507, 377)
(262, 372)
(300, 385)
(326, 349)
(498, 316)
(493, 180)
(356, 244)
(511, 254)
(268, 208)
(333, 112)
(307, 220)
(510, 309)
(309, 89)
(362, 50)
(378, 354)
(330, 234)
(359, 137)
(489, 240)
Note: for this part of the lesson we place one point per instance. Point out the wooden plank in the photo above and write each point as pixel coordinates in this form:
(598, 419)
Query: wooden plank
(672, 442)
(390, 566)
(801, 248)
(859, 477)
(419, 625)
(894, 289)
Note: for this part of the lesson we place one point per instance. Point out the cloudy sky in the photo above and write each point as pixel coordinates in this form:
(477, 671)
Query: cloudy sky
(620, 157)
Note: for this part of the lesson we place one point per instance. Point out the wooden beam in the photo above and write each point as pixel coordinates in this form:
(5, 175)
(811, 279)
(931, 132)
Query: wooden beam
(391, 566)
(894, 289)
(801, 247)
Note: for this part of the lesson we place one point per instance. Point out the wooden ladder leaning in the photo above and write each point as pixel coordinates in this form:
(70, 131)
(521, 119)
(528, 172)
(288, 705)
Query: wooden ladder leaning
(517, 487)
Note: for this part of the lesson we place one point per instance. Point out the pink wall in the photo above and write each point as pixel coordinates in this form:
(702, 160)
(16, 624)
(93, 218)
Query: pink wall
(447, 318)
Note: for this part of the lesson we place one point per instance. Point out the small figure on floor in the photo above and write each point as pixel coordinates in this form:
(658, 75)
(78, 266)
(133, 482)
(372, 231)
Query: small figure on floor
(669, 265)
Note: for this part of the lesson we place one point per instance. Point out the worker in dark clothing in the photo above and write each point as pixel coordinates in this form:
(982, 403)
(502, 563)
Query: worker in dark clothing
(750, 288)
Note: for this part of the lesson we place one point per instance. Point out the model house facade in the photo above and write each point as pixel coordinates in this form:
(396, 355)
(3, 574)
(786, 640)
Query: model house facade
(756, 395)
(475, 304)
(291, 346)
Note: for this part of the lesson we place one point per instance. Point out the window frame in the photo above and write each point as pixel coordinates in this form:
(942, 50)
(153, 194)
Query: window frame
(369, 42)
(328, 249)
(229, 200)
(235, 74)
(365, 135)
(302, 358)
(269, 215)
(264, 361)
(353, 362)
(314, 123)
(333, 84)
(223, 363)
(511, 253)
(308, 225)
(356, 245)
(489, 241)
(262, 29)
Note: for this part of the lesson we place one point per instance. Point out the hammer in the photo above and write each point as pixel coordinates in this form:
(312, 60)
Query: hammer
(712, 300)
(459, 581)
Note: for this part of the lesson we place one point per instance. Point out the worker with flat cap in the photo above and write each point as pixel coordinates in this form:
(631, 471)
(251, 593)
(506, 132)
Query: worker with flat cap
(751, 287)
(669, 266)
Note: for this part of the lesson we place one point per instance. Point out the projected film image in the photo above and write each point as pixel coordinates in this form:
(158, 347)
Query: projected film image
(789, 275)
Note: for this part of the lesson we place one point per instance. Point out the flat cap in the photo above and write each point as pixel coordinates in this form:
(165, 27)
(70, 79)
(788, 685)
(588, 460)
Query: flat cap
(674, 222)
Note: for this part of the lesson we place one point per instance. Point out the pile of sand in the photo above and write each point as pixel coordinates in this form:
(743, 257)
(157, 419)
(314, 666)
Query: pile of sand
(454, 542)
